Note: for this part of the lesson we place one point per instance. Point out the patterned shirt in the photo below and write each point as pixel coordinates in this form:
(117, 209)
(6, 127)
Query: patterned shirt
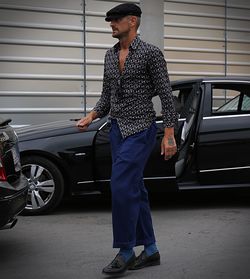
(127, 96)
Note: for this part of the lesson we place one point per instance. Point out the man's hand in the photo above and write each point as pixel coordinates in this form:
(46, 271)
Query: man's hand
(83, 123)
(168, 144)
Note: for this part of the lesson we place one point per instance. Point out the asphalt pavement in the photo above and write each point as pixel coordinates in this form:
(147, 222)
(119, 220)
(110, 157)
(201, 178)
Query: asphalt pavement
(200, 235)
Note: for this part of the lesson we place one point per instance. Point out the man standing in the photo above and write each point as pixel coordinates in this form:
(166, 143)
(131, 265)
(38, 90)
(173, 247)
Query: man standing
(134, 72)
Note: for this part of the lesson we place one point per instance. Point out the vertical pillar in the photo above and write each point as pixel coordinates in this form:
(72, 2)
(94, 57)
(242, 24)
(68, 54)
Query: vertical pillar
(152, 30)
(152, 22)
(84, 69)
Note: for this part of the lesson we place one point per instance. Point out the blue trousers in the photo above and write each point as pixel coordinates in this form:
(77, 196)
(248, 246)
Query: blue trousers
(131, 217)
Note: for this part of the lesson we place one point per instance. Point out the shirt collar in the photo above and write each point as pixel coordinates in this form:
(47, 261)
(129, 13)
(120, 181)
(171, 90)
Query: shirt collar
(133, 45)
(135, 42)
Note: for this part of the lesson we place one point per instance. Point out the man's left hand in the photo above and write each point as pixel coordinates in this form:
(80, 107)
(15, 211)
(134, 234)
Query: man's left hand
(168, 146)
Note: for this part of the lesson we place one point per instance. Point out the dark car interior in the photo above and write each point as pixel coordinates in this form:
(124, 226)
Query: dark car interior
(183, 99)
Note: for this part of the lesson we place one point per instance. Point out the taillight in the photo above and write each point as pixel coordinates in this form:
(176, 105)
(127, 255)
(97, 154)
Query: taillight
(3, 176)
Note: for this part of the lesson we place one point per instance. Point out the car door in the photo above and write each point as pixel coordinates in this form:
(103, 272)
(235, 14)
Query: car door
(157, 169)
(102, 154)
(159, 174)
(223, 156)
(185, 166)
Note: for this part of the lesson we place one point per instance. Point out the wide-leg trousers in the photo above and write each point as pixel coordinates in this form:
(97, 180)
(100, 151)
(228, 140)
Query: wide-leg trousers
(131, 217)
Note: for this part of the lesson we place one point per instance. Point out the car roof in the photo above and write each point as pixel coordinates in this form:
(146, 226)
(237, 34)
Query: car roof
(237, 79)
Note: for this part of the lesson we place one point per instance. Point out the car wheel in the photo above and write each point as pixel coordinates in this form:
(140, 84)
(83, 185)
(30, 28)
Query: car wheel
(46, 185)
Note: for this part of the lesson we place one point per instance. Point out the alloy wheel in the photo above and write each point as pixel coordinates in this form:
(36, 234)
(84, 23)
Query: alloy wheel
(41, 186)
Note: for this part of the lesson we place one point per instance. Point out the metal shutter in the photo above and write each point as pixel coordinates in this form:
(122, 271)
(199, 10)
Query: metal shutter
(41, 60)
(43, 76)
(207, 38)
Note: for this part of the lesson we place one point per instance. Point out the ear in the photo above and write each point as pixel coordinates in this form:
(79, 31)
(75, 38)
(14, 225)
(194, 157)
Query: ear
(132, 20)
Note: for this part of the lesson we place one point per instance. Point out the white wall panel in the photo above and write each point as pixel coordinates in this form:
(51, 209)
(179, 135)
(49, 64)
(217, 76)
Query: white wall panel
(238, 31)
(42, 44)
(41, 60)
(215, 33)
(56, 4)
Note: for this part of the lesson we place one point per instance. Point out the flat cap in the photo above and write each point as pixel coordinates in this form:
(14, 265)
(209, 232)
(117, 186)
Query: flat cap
(123, 10)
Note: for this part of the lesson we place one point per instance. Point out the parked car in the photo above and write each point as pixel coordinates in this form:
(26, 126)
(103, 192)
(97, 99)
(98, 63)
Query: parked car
(213, 137)
(13, 184)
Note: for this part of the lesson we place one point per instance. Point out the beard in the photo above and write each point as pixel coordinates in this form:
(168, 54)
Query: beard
(116, 35)
(119, 35)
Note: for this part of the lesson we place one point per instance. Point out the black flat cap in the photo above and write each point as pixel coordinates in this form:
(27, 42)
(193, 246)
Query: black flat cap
(123, 10)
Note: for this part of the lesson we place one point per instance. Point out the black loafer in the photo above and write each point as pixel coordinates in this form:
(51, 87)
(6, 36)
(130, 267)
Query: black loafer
(118, 265)
(144, 260)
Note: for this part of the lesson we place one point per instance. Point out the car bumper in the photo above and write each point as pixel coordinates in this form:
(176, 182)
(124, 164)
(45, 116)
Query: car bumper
(12, 205)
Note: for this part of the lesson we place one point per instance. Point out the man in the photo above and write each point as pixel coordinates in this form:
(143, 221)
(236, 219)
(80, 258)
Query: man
(134, 72)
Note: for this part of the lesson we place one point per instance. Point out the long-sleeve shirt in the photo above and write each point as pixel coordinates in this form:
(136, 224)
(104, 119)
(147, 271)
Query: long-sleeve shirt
(127, 95)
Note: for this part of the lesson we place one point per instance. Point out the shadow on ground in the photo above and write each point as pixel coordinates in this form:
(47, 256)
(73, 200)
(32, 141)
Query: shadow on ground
(194, 199)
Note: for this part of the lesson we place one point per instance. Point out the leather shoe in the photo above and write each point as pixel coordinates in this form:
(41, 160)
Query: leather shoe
(118, 265)
(144, 260)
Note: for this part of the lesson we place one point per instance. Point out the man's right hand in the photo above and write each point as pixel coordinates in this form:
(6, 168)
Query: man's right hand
(84, 122)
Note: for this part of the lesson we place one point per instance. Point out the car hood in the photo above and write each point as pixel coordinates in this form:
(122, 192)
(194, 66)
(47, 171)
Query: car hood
(53, 129)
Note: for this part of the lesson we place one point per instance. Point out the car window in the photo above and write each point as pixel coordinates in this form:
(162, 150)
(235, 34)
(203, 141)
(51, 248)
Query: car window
(230, 98)
(230, 106)
(245, 103)
(225, 100)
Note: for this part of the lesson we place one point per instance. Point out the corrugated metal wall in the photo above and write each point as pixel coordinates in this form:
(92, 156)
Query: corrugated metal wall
(207, 38)
(98, 40)
(42, 54)
(41, 60)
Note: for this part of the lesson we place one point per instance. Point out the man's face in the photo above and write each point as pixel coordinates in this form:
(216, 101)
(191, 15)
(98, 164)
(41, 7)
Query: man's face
(120, 27)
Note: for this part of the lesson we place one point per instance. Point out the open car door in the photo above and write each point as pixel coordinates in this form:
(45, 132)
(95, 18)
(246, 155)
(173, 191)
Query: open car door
(188, 131)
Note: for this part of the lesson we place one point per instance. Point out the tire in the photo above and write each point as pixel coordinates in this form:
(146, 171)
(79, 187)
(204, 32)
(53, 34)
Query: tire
(46, 185)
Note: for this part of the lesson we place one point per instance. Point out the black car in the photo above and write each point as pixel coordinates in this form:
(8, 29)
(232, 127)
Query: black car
(13, 184)
(213, 137)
